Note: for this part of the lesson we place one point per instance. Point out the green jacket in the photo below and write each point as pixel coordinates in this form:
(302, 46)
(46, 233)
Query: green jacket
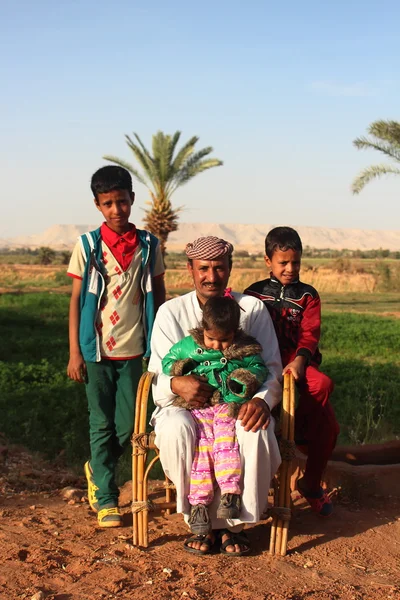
(236, 373)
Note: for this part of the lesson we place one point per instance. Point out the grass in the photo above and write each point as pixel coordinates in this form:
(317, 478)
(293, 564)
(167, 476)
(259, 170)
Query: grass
(362, 355)
(384, 302)
(42, 409)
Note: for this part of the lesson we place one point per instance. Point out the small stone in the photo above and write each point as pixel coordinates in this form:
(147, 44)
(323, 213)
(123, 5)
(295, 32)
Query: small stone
(71, 502)
(33, 507)
(38, 596)
(308, 564)
(167, 571)
(149, 582)
(70, 493)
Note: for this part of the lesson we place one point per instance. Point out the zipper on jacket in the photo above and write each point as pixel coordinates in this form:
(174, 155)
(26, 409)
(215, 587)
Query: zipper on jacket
(143, 285)
(94, 265)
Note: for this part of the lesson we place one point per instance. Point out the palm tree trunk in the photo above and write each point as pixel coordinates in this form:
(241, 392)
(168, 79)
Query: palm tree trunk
(161, 220)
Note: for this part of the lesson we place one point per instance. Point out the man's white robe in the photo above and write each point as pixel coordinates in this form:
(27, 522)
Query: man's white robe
(175, 429)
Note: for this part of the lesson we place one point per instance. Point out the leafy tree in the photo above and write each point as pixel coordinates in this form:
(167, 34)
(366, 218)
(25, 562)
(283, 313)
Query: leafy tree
(46, 255)
(162, 172)
(65, 257)
(385, 137)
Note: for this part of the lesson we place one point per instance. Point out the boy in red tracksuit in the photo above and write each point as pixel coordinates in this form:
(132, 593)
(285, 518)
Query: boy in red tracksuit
(295, 309)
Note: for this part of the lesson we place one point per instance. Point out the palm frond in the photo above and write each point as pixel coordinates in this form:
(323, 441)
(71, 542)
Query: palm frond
(388, 131)
(145, 161)
(143, 147)
(363, 143)
(373, 172)
(184, 153)
(192, 169)
(127, 166)
(161, 156)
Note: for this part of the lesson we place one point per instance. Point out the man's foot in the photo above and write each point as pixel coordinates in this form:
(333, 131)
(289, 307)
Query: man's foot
(234, 544)
(229, 506)
(199, 520)
(92, 487)
(109, 516)
(200, 544)
(319, 501)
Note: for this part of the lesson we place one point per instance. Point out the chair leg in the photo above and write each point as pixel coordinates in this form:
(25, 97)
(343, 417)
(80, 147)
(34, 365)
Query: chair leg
(141, 443)
(280, 523)
(135, 517)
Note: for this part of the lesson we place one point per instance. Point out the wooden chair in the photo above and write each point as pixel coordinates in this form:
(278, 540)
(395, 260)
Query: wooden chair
(143, 443)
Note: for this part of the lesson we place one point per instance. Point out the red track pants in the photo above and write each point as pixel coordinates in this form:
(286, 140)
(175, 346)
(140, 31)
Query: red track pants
(315, 424)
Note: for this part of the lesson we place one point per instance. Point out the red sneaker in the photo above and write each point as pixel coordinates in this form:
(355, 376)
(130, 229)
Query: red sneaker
(319, 501)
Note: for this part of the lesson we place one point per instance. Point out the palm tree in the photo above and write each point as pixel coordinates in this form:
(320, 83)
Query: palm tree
(386, 139)
(162, 173)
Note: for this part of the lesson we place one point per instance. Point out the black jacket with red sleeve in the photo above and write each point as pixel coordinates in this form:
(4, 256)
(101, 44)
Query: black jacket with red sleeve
(295, 310)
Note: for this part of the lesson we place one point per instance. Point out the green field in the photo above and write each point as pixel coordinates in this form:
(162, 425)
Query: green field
(45, 411)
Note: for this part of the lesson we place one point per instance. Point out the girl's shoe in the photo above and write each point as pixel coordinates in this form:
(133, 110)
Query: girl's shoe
(109, 516)
(92, 488)
(319, 501)
(229, 506)
(199, 520)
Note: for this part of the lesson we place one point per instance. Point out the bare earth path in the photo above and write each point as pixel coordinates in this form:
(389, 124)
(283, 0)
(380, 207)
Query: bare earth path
(51, 547)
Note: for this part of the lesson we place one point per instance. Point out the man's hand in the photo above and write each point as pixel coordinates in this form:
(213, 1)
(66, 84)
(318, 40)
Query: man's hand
(76, 369)
(192, 388)
(254, 415)
(296, 367)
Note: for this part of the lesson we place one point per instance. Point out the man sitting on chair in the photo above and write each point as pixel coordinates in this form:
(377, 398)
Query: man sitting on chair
(210, 263)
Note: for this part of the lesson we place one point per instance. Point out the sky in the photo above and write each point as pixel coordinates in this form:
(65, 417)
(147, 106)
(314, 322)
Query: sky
(279, 90)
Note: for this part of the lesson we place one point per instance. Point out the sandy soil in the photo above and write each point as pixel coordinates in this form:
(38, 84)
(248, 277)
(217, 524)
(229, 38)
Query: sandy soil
(50, 548)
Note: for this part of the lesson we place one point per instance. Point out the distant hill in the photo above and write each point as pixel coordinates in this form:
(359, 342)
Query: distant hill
(243, 237)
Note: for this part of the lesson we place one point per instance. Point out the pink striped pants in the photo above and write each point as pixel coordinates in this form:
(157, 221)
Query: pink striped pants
(216, 457)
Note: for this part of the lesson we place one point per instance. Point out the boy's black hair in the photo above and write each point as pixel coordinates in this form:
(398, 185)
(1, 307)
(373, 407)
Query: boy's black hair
(110, 178)
(221, 313)
(282, 238)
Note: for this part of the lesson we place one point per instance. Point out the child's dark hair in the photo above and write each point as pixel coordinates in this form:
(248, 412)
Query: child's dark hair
(282, 238)
(110, 178)
(222, 314)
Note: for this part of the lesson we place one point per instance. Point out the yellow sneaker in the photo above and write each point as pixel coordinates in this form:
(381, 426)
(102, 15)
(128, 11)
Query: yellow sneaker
(109, 517)
(92, 488)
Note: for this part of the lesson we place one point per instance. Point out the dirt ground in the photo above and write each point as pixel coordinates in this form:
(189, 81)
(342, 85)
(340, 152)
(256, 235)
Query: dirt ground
(50, 548)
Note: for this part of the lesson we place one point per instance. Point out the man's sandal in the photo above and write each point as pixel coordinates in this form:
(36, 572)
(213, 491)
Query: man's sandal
(91, 488)
(109, 517)
(319, 502)
(203, 539)
(239, 539)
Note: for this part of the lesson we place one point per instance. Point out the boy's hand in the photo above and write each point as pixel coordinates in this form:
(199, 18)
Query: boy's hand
(192, 388)
(296, 367)
(76, 369)
(254, 415)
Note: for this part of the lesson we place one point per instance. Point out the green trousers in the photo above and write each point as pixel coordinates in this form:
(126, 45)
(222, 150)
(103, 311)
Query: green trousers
(111, 392)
